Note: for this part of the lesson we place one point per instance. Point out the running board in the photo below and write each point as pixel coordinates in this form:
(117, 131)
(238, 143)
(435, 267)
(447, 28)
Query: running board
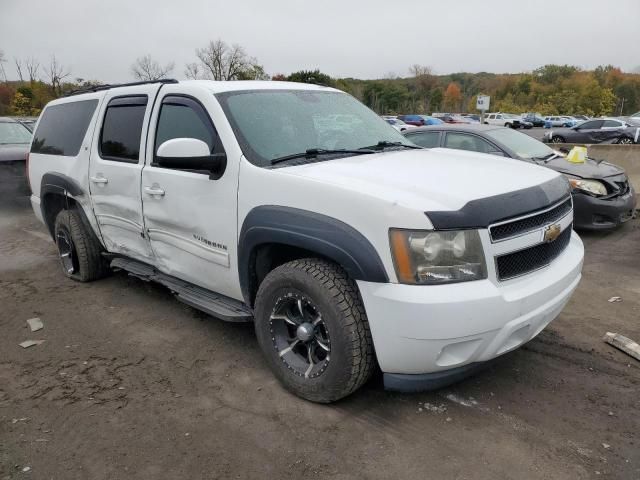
(214, 304)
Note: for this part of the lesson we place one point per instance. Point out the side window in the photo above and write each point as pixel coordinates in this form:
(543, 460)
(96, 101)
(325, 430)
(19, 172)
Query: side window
(462, 141)
(184, 117)
(592, 125)
(63, 127)
(122, 129)
(426, 139)
(611, 124)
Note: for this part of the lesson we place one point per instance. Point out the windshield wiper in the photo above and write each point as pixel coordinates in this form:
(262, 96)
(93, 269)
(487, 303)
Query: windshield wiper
(382, 144)
(315, 152)
(547, 158)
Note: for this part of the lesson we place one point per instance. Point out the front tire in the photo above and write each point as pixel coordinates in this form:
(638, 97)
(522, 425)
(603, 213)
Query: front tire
(557, 139)
(79, 249)
(313, 330)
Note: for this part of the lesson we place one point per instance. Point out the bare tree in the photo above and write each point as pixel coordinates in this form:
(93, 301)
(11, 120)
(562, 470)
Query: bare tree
(424, 82)
(19, 66)
(56, 73)
(32, 66)
(193, 71)
(147, 69)
(223, 62)
(2, 61)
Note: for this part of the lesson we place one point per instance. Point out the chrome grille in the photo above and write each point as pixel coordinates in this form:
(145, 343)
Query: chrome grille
(521, 226)
(533, 258)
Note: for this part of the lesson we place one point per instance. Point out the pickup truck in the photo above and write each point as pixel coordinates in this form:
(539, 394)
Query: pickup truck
(350, 248)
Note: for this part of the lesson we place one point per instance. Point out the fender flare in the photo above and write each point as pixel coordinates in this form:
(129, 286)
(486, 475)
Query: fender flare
(53, 182)
(59, 184)
(327, 236)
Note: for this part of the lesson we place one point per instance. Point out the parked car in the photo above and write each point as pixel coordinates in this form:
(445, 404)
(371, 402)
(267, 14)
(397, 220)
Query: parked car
(398, 124)
(581, 118)
(608, 130)
(346, 251)
(603, 198)
(556, 121)
(420, 120)
(506, 120)
(533, 119)
(14, 146)
(472, 116)
(454, 119)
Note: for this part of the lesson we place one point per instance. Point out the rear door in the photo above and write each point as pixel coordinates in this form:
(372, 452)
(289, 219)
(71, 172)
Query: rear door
(115, 170)
(191, 219)
(587, 132)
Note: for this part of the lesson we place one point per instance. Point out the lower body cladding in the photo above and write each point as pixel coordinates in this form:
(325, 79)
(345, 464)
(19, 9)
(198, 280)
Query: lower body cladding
(426, 337)
(592, 213)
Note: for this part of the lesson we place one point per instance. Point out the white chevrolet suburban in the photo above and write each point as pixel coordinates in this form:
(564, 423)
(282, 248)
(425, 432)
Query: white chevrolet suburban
(297, 208)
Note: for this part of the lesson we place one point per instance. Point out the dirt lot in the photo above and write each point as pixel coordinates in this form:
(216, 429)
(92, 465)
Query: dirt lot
(131, 383)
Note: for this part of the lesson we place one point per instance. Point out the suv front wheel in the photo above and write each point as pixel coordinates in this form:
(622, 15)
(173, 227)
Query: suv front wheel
(313, 330)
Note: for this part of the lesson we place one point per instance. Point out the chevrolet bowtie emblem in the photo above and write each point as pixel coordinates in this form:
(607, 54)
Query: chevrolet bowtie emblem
(551, 233)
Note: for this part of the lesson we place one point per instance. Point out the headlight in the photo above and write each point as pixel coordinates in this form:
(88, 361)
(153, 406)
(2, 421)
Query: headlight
(432, 258)
(590, 186)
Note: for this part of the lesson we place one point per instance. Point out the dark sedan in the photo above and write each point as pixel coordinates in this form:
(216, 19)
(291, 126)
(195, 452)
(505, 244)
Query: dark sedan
(15, 139)
(607, 130)
(603, 198)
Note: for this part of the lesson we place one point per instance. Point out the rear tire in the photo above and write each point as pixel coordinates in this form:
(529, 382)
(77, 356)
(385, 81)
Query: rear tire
(78, 248)
(313, 330)
(508, 125)
(625, 141)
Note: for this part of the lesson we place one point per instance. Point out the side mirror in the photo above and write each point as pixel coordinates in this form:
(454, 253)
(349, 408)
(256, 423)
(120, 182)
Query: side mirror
(191, 154)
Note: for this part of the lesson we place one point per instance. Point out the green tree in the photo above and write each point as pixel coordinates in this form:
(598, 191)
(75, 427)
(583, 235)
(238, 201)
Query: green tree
(311, 76)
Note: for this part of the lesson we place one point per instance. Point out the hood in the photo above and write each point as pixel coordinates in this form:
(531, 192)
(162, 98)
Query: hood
(589, 169)
(13, 152)
(429, 180)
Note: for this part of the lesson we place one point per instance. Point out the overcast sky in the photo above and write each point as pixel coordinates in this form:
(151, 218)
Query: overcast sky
(99, 39)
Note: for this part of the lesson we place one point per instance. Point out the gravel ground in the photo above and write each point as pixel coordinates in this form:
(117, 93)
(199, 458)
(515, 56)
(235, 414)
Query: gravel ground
(130, 383)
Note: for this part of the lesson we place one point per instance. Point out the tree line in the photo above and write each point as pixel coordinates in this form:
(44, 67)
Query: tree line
(551, 89)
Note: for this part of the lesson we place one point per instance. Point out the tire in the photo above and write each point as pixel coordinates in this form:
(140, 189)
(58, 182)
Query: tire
(311, 310)
(557, 139)
(508, 125)
(625, 141)
(78, 248)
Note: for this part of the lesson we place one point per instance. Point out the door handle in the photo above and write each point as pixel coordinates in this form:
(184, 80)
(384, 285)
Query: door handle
(99, 180)
(154, 190)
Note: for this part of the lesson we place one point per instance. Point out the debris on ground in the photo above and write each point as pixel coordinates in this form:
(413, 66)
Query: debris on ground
(623, 343)
(26, 469)
(606, 446)
(31, 343)
(615, 299)
(35, 324)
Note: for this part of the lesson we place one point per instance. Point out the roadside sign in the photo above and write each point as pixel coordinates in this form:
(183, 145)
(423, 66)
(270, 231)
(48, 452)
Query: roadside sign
(482, 103)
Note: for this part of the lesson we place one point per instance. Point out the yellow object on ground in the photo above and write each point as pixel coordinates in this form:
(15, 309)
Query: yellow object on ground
(577, 155)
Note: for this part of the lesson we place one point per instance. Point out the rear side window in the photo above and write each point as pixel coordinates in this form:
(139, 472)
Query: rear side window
(426, 139)
(122, 129)
(63, 127)
(184, 117)
(462, 141)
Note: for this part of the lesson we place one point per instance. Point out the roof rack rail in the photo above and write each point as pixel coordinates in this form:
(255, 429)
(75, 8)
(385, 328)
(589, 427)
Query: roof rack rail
(98, 88)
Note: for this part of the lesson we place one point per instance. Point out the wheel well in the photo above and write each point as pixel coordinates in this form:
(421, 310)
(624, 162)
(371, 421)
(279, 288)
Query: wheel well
(268, 256)
(52, 205)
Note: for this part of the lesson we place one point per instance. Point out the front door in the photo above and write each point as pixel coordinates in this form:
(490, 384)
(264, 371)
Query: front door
(190, 219)
(117, 158)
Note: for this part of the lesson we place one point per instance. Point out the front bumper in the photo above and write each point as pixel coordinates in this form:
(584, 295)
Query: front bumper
(592, 213)
(421, 330)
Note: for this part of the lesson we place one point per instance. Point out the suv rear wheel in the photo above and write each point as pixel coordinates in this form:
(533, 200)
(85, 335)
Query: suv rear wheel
(313, 330)
(78, 248)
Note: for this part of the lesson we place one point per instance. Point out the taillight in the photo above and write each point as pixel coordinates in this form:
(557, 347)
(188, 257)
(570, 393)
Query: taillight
(26, 169)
